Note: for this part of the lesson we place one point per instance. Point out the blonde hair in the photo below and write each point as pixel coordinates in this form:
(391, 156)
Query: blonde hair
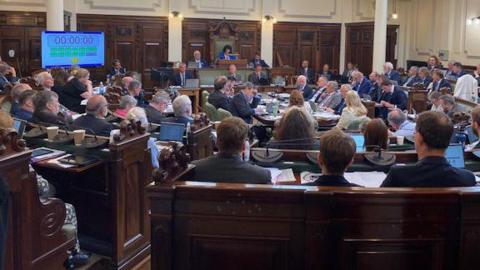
(354, 104)
(81, 73)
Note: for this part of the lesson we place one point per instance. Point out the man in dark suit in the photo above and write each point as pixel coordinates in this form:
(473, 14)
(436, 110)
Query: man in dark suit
(439, 82)
(135, 90)
(412, 78)
(46, 110)
(424, 77)
(181, 77)
(432, 137)
(197, 58)
(117, 68)
(182, 108)
(258, 77)
(337, 151)
(227, 165)
(94, 120)
(327, 72)
(233, 75)
(303, 87)
(258, 61)
(218, 98)
(391, 74)
(458, 70)
(307, 72)
(361, 84)
(392, 97)
(157, 106)
(244, 103)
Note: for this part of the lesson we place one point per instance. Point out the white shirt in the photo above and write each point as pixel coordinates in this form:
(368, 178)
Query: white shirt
(467, 88)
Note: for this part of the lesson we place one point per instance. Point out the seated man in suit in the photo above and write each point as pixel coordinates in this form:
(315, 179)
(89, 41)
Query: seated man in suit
(438, 82)
(432, 137)
(135, 90)
(412, 78)
(8, 75)
(450, 106)
(94, 120)
(327, 72)
(337, 151)
(258, 61)
(458, 70)
(258, 77)
(47, 108)
(321, 86)
(159, 103)
(181, 77)
(424, 77)
(12, 106)
(233, 75)
(218, 98)
(227, 165)
(347, 72)
(392, 97)
(26, 108)
(303, 87)
(376, 80)
(307, 72)
(117, 68)
(244, 103)
(182, 108)
(331, 97)
(391, 74)
(343, 93)
(399, 122)
(197, 58)
(360, 84)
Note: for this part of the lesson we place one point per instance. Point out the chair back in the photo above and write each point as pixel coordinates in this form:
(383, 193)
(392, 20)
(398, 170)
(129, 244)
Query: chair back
(222, 114)
(211, 112)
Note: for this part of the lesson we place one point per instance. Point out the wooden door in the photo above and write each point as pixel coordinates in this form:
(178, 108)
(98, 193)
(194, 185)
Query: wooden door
(152, 49)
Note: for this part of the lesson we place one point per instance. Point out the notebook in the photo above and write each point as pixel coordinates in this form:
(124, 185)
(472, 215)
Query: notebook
(171, 132)
(454, 155)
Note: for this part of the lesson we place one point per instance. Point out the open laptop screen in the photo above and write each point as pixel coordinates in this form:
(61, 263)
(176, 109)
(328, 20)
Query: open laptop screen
(19, 126)
(454, 155)
(359, 141)
(171, 132)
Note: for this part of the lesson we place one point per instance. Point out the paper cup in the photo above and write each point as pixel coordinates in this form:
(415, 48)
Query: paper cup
(78, 136)
(52, 132)
(400, 140)
(113, 133)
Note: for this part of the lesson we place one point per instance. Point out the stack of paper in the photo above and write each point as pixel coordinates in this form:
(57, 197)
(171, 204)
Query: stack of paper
(282, 176)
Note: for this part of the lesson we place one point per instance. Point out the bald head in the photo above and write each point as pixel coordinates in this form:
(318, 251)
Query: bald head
(97, 105)
(126, 81)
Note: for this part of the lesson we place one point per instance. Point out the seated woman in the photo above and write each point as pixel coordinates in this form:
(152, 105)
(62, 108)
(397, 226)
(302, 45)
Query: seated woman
(353, 113)
(295, 130)
(375, 133)
(76, 90)
(225, 53)
(138, 114)
(126, 103)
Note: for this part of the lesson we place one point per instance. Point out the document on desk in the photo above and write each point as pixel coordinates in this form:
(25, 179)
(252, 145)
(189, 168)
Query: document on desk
(281, 176)
(366, 179)
(59, 164)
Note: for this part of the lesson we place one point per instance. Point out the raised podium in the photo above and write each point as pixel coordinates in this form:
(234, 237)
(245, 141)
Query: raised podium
(237, 62)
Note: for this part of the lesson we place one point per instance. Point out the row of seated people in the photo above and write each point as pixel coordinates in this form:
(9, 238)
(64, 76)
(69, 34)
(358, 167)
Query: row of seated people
(433, 132)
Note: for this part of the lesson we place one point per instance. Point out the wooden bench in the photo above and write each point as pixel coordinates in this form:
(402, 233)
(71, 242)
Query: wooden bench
(35, 237)
(235, 226)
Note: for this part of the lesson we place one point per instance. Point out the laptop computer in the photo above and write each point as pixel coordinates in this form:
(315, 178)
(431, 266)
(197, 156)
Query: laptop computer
(313, 105)
(454, 155)
(359, 141)
(19, 125)
(171, 132)
(192, 83)
(471, 136)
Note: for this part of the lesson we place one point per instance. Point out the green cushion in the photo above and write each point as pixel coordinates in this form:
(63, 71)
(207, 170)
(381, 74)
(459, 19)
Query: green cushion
(222, 114)
(205, 95)
(211, 112)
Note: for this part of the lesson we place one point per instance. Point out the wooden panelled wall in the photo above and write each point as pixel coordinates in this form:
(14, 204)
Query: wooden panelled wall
(139, 42)
(21, 32)
(195, 36)
(317, 43)
(359, 45)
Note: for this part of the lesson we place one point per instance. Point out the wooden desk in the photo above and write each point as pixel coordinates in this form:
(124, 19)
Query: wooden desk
(192, 93)
(109, 198)
(237, 226)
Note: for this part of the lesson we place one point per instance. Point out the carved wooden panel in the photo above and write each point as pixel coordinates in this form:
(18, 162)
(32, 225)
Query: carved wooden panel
(195, 35)
(359, 45)
(317, 43)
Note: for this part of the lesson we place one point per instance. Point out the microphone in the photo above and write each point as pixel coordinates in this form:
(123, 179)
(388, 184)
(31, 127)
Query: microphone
(379, 158)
